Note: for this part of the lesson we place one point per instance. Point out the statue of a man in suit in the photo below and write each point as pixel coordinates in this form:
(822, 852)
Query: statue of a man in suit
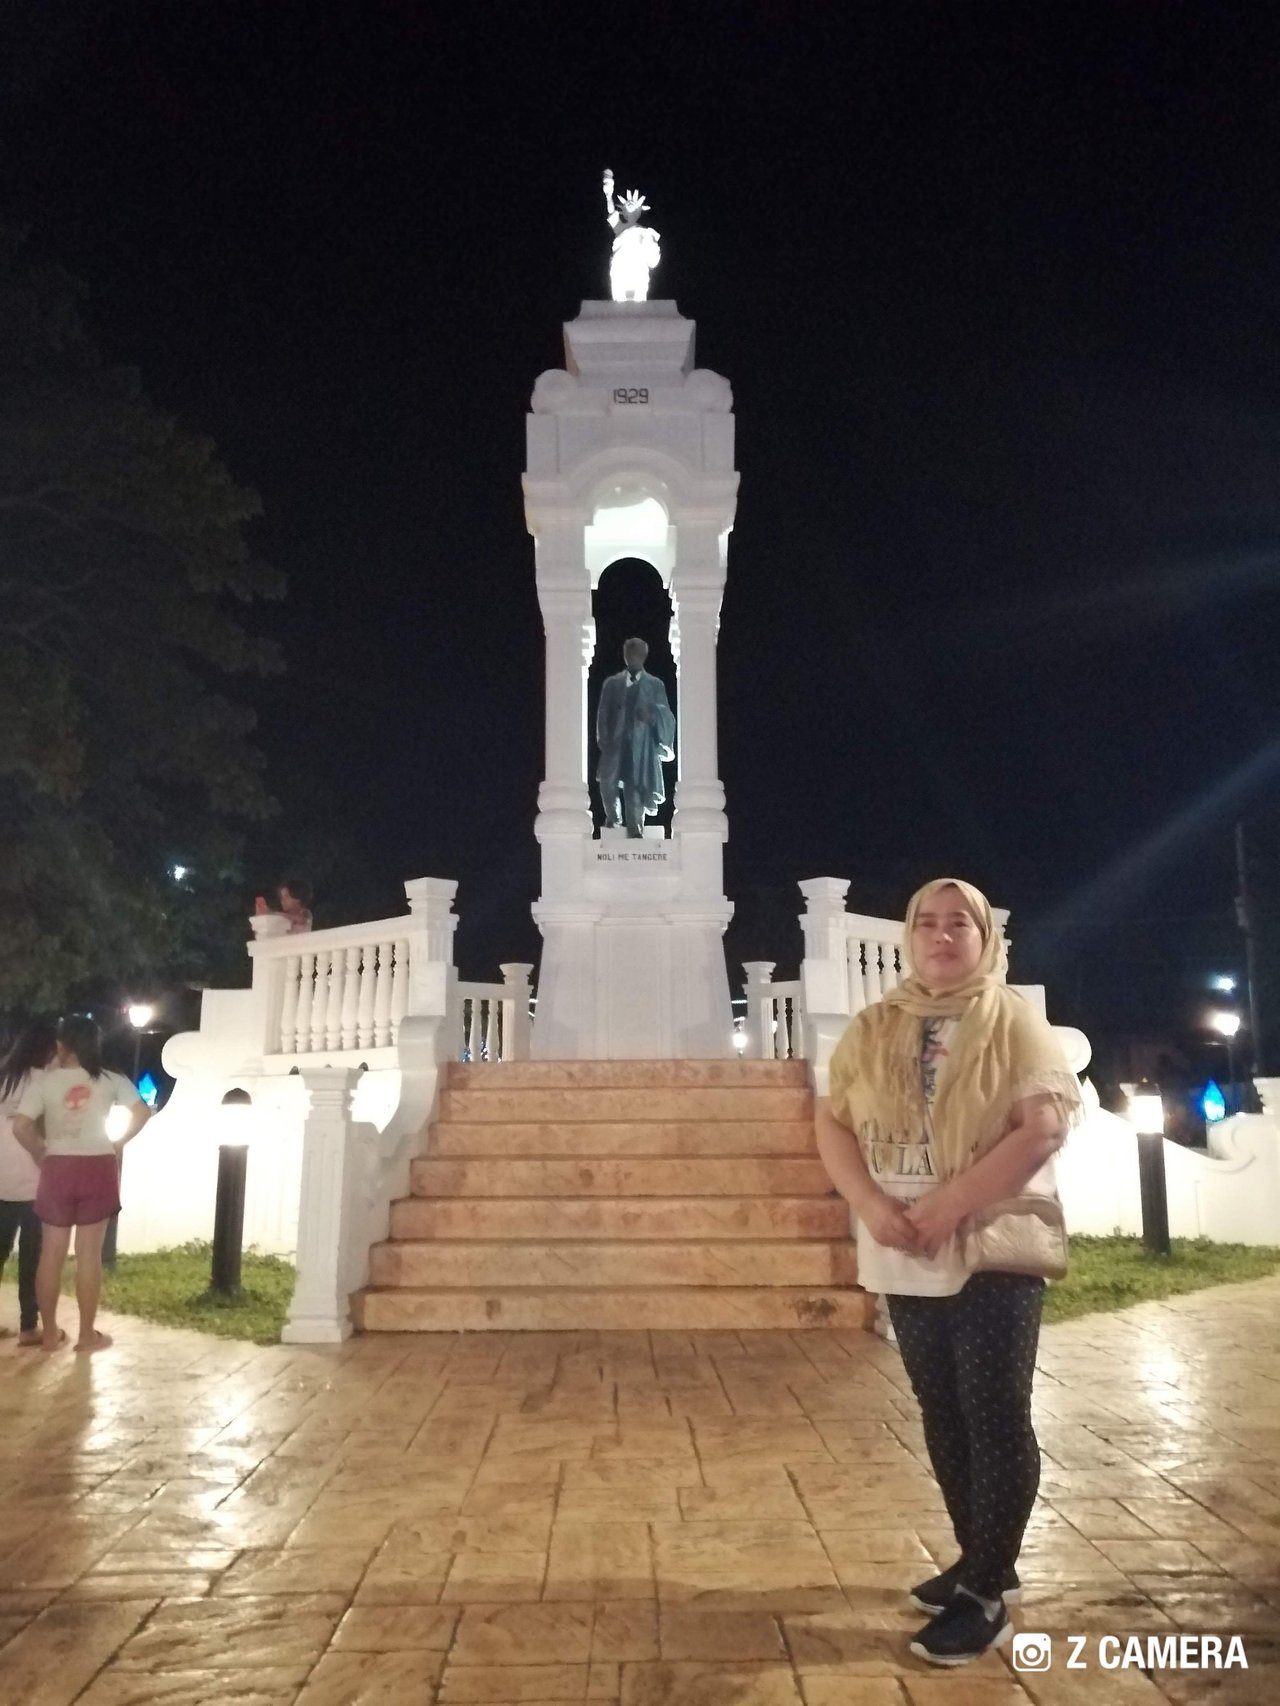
(635, 731)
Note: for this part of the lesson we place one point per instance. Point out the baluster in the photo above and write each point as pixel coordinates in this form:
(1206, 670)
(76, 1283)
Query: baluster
(351, 1000)
(871, 972)
(486, 1022)
(333, 1006)
(797, 1028)
(399, 988)
(382, 996)
(857, 989)
(368, 995)
(289, 1006)
(320, 1001)
(778, 1019)
(306, 993)
(468, 1027)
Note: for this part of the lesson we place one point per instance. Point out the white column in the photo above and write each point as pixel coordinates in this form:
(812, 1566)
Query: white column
(760, 1014)
(564, 597)
(825, 973)
(515, 1011)
(432, 922)
(698, 586)
(320, 1312)
(268, 979)
(825, 970)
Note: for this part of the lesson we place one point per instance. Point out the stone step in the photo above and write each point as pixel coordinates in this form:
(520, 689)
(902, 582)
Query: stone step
(749, 1262)
(557, 1106)
(627, 1074)
(560, 1309)
(474, 1218)
(616, 1176)
(623, 1137)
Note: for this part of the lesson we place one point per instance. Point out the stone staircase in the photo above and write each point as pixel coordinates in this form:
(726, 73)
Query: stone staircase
(617, 1194)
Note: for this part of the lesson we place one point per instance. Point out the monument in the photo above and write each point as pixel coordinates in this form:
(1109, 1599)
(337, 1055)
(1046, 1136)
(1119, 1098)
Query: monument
(631, 455)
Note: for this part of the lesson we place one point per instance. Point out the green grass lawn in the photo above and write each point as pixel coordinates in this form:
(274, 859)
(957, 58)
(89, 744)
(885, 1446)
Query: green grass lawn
(1111, 1273)
(172, 1286)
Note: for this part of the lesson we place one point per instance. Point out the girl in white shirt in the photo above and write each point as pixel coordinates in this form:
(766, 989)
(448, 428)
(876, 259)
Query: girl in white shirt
(19, 1174)
(79, 1171)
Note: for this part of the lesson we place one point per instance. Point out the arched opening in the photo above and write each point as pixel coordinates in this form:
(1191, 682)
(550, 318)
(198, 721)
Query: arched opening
(630, 599)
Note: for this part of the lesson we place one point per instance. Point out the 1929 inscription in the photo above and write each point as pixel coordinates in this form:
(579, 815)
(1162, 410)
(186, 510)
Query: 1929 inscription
(631, 394)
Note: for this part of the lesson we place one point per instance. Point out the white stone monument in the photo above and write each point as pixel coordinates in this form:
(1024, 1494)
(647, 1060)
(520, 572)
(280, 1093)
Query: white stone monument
(630, 454)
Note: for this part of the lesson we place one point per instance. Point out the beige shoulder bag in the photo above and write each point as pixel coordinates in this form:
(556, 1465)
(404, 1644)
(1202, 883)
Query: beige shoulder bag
(1018, 1235)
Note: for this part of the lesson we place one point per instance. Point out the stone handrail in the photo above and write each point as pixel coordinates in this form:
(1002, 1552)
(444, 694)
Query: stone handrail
(775, 1028)
(491, 1020)
(346, 991)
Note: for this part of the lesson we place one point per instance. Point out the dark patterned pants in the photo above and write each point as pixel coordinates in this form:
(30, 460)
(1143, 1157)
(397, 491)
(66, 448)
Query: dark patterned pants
(971, 1360)
(18, 1220)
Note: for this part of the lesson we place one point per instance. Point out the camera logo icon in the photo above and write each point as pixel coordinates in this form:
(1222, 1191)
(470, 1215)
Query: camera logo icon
(1032, 1652)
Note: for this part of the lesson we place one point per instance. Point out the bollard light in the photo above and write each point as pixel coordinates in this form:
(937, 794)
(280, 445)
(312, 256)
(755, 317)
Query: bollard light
(1146, 1116)
(235, 1119)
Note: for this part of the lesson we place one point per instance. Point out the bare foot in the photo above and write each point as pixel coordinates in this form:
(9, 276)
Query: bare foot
(31, 1336)
(54, 1342)
(98, 1342)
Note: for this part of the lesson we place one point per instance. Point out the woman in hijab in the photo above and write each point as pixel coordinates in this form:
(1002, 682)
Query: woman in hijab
(951, 1095)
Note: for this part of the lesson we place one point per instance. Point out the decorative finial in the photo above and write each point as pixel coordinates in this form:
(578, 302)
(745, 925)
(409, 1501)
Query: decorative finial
(636, 248)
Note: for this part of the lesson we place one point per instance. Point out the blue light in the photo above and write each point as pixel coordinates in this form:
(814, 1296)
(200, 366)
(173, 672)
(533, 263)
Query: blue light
(1213, 1104)
(1224, 983)
(148, 1089)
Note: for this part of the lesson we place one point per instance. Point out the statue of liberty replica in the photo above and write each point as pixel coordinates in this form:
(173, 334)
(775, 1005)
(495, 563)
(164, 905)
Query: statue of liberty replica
(636, 249)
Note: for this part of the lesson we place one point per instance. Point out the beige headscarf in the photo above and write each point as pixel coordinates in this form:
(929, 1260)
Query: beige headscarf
(1002, 1051)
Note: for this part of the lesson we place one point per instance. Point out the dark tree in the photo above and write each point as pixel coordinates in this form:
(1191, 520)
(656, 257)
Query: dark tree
(125, 575)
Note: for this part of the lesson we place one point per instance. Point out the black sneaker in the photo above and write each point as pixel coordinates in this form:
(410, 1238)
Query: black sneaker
(962, 1632)
(936, 1594)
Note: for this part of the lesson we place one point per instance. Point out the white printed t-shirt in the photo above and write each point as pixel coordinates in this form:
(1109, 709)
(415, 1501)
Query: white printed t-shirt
(19, 1173)
(75, 1108)
(905, 1171)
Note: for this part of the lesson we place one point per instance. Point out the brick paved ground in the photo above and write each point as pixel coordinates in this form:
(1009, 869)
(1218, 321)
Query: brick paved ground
(656, 1519)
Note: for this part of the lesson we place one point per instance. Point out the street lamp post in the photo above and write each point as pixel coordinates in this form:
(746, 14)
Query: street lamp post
(1227, 1025)
(139, 1014)
(1146, 1116)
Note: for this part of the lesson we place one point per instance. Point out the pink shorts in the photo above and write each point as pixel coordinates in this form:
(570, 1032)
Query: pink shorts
(78, 1190)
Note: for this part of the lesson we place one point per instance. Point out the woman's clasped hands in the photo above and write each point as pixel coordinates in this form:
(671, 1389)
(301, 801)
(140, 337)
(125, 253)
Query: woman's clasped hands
(921, 1230)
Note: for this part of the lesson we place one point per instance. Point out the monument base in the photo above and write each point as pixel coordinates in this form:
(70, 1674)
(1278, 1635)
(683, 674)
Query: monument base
(613, 987)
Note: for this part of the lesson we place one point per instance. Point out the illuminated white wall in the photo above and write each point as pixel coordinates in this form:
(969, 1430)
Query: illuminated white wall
(1231, 1194)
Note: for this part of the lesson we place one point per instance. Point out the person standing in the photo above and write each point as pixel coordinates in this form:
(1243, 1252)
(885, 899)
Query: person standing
(295, 904)
(24, 1065)
(947, 1097)
(79, 1171)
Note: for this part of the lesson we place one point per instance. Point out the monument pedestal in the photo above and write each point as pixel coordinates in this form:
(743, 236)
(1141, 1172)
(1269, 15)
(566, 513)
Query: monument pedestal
(633, 968)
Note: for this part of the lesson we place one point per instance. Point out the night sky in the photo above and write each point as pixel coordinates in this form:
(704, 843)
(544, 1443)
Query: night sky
(997, 289)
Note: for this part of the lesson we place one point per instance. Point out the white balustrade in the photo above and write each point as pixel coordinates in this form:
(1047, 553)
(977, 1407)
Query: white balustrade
(775, 1014)
(492, 1019)
(348, 990)
(338, 990)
